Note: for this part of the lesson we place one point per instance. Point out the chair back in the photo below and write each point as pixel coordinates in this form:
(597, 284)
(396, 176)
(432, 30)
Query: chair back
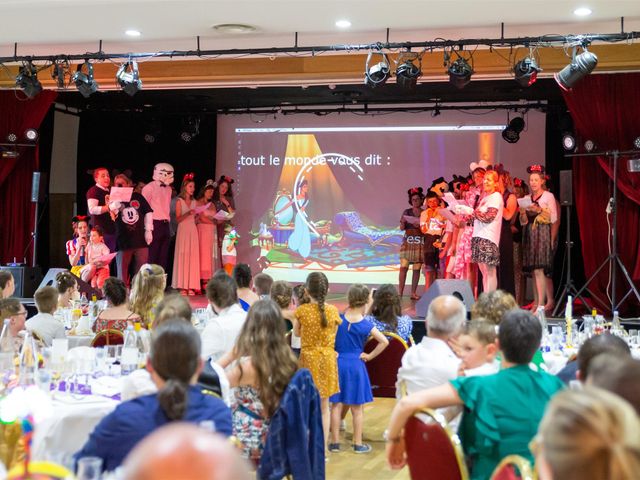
(383, 370)
(108, 337)
(513, 467)
(433, 450)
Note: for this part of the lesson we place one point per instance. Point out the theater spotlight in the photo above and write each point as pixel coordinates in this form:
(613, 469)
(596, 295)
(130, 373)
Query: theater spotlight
(84, 82)
(27, 80)
(580, 66)
(526, 71)
(589, 146)
(12, 138)
(31, 134)
(511, 133)
(568, 142)
(377, 74)
(460, 73)
(407, 72)
(128, 78)
(636, 143)
(191, 129)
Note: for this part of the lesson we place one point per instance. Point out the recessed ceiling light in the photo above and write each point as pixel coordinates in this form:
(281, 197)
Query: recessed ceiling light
(133, 33)
(343, 23)
(234, 28)
(582, 12)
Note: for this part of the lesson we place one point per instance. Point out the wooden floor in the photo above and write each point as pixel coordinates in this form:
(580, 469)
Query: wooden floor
(371, 466)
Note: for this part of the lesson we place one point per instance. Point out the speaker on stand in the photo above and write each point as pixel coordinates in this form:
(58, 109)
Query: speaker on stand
(38, 181)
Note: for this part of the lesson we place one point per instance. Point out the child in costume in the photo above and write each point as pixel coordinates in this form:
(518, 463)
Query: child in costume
(229, 254)
(95, 271)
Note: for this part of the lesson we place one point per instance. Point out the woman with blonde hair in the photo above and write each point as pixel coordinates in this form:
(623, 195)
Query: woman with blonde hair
(264, 365)
(147, 290)
(491, 306)
(588, 434)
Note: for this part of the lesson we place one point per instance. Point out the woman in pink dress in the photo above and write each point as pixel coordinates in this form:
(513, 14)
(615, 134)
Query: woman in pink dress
(207, 234)
(186, 261)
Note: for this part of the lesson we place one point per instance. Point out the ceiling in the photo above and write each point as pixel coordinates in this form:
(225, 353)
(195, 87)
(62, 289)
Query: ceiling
(76, 26)
(49, 27)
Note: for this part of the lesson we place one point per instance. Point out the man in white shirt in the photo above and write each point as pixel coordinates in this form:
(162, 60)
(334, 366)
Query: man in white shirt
(44, 324)
(221, 332)
(432, 362)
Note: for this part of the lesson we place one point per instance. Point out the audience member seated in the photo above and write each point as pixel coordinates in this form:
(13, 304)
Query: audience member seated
(264, 365)
(386, 312)
(147, 290)
(183, 451)
(44, 325)
(617, 374)
(139, 382)
(7, 284)
(502, 411)
(242, 276)
(117, 314)
(588, 434)
(262, 285)
(221, 332)
(174, 363)
(432, 362)
(11, 309)
(172, 306)
(67, 285)
(478, 349)
(578, 369)
(491, 306)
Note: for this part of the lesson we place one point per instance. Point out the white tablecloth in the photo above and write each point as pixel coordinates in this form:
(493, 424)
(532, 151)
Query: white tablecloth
(68, 428)
(555, 361)
(79, 340)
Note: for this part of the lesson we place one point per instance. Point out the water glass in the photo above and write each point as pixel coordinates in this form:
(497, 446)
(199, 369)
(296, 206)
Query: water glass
(89, 468)
(43, 379)
(100, 361)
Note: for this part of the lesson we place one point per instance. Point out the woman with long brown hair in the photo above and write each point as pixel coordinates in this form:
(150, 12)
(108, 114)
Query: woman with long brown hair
(147, 290)
(264, 365)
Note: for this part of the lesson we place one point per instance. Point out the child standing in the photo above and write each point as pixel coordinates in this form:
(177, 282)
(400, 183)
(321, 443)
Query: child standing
(229, 254)
(478, 349)
(355, 389)
(316, 324)
(95, 271)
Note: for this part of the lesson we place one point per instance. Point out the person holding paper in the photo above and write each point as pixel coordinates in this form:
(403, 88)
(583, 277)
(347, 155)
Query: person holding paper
(98, 206)
(223, 201)
(432, 225)
(134, 231)
(537, 236)
(207, 233)
(96, 271)
(487, 226)
(186, 261)
(412, 248)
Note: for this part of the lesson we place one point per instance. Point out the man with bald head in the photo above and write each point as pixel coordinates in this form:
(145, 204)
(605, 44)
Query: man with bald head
(183, 451)
(432, 362)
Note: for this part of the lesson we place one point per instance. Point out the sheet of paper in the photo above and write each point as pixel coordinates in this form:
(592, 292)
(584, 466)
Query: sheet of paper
(120, 194)
(201, 208)
(450, 199)
(524, 202)
(463, 209)
(222, 215)
(105, 259)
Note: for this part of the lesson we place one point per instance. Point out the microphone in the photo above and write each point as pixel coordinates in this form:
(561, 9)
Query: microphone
(475, 204)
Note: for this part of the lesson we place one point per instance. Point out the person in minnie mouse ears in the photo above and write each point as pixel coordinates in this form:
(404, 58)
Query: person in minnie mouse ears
(223, 200)
(134, 231)
(538, 212)
(412, 248)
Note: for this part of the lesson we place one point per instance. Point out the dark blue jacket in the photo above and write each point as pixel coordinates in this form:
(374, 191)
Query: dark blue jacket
(295, 443)
(116, 435)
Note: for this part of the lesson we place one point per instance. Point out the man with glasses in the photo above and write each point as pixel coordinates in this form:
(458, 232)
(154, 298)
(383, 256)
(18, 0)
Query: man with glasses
(14, 311)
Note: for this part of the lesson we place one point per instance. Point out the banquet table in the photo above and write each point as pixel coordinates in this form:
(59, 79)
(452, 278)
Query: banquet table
(556, 361)
(68, 428)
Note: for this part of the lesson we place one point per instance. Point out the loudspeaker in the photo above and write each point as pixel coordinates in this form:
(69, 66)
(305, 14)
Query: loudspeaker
(50, 280)
(38, 184)
(458, 288)
(566, 187)
(26, 280)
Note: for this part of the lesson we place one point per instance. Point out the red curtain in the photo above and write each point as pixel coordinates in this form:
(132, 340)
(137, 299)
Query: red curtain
(17, 113)
(605, 109)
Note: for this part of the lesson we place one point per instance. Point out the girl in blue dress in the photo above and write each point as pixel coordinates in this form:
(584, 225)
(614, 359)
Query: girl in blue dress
(300, 239)
(355, 389)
